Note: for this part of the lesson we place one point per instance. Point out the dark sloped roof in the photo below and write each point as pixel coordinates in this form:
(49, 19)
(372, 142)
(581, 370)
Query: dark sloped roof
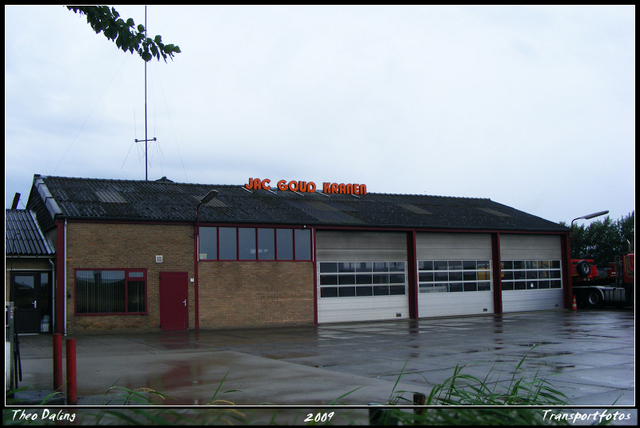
(163, 200)
(24, 237)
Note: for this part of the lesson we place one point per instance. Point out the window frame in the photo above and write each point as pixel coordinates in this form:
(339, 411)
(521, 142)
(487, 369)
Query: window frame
(344, 279)
(454, 276)
(298, 253)
(127, 279)
(531, 274)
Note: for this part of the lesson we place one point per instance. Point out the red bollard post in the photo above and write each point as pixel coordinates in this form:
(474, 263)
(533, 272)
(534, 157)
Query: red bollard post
(57, 362)
(72, 387)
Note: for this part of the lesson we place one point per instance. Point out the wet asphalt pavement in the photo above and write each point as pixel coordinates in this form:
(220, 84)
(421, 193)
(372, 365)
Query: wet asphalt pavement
(587, 355)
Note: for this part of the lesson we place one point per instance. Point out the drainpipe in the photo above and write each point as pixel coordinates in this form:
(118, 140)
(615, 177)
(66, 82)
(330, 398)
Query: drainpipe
(315, 275)
(196, 258)
(53, 293)
(496, 273)
(565, 242)
(65, 278)
(412, 280)
(206, 198)
(59, 323)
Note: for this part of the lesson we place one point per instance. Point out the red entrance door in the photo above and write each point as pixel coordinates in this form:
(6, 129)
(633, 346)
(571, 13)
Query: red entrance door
(174, 313)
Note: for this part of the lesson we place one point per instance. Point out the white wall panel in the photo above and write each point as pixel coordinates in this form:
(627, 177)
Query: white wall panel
(532, 300)
(530, 247)
(451, 304)
(362, 309)
(453, 246)
(361, 246)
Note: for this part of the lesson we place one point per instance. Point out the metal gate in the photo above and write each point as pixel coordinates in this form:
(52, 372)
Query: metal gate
(361, 276)
(454, 274)
(531, 269)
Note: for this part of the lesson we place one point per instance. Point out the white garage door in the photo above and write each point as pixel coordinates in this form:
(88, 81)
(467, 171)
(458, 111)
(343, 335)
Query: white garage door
(531, 272)
(454, 274)
(361, 276)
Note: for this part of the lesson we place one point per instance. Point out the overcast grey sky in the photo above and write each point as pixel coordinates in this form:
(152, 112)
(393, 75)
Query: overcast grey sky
(532, 107)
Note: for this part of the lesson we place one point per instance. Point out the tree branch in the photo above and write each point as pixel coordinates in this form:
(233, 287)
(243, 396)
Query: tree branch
(125, 34)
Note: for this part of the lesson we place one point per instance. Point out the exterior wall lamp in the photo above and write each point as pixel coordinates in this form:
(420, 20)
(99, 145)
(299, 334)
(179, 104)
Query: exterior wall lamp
(588, 217)
(206, 198)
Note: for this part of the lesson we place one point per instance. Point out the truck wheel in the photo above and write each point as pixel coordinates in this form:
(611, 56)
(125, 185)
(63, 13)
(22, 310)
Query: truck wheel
(583, 268)
(595, 299)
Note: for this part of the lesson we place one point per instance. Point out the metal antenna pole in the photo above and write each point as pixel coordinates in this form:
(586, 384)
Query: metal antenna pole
(146, 162)
(146, 140)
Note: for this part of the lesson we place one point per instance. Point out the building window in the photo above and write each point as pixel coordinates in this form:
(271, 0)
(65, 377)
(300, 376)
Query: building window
(454, 276)
(227, 243)
(208, 239)
(302, 241)
(266, 244)
(250, 243)
(111, 291)
(284, 246)
(247, 243)
(362, 279)
(531, 274)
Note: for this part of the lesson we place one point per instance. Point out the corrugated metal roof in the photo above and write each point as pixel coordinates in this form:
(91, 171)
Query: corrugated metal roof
(23, 235)
(87, 198)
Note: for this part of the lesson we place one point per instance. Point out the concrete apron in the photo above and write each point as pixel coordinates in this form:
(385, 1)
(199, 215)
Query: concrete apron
(588, 355)
(188, 377)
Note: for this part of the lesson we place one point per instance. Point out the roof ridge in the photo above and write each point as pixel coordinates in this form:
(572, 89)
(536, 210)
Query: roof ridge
(430, 196)
(162, 180)
(165, 181)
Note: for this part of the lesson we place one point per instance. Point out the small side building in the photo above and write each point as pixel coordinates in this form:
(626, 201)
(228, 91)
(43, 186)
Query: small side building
(30, 272)
(155, 255)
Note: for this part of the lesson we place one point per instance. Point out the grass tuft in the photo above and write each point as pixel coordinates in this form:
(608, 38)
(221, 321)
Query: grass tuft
(461, 389)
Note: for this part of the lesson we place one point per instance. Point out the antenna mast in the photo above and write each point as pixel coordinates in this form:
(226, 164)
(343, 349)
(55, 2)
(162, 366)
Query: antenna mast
(146, 140)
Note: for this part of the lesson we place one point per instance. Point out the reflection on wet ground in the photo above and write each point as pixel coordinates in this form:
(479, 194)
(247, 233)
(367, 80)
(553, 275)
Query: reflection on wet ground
(589, 355)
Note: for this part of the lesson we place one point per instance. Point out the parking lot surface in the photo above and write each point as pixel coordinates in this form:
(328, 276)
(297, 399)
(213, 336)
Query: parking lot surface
(587, 355)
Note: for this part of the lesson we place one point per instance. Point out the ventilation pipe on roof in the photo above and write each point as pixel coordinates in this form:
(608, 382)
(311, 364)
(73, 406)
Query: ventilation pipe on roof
(16, 198)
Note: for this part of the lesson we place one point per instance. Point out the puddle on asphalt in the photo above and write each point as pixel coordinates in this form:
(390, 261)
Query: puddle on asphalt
(548, 354)
(289, 355)
(473, 351)
(530, 345)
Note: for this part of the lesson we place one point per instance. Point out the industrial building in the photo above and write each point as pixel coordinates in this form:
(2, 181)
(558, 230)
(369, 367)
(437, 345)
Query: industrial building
(160, 255)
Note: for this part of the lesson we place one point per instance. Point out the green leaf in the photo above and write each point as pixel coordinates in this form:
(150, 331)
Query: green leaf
(107, 20)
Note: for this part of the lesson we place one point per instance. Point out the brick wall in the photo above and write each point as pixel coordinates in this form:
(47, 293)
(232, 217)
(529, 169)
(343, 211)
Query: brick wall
(118, 246)
(232, 294)
(251, 294)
